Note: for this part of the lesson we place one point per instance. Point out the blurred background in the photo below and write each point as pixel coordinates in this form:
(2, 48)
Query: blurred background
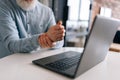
(78, 15)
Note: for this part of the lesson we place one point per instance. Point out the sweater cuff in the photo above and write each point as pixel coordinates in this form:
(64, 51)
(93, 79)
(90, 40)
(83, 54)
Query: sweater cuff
(34, 41)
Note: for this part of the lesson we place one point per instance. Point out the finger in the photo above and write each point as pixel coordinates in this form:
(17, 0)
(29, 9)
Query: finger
(42, 42)
(59, 22)
(60, 32)
(57, 27)
(60, 35)
(49, 42)
(57, 32)
(45, 42)
(61, 26)
(54, 43)
(60, 38)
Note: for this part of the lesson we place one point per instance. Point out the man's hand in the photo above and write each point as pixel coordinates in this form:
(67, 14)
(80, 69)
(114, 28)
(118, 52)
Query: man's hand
(56, 33)
(45, 42)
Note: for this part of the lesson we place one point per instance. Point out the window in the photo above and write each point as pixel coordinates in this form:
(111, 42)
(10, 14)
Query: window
(73, 9)
(84, 10)
(79, 11)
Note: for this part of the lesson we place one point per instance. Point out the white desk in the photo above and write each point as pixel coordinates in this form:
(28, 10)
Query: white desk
(20, 67)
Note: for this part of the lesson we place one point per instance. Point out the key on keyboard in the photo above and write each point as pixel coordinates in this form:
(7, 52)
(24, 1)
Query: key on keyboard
(64, 63)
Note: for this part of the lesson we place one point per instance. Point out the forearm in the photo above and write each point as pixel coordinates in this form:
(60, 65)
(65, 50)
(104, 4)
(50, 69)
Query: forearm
(24, 45)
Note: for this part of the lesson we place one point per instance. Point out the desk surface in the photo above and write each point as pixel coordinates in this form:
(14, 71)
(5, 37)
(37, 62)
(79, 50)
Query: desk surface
(19, 67)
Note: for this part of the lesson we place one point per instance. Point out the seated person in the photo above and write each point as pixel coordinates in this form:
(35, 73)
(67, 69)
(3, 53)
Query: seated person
(26, 25)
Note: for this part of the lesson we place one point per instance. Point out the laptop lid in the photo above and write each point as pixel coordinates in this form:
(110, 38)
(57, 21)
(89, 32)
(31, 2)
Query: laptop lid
(98, 43)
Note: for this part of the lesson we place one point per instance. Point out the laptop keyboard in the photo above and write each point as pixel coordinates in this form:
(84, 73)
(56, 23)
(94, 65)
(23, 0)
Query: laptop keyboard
(64, 63)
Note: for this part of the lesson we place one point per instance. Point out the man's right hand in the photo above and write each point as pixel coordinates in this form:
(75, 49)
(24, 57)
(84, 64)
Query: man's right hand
(56, 33)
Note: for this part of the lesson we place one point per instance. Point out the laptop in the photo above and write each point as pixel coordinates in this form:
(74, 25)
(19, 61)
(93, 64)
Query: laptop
(72, 63)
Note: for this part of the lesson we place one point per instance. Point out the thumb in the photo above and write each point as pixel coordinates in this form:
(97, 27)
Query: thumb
(59, 22)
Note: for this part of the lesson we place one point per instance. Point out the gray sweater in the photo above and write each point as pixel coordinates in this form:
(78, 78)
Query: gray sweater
(19, 29)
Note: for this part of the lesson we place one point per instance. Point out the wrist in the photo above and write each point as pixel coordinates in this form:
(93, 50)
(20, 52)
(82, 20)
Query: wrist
(39, 39)
(45, 42)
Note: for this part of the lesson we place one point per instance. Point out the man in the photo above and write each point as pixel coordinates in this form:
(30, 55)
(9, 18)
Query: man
(27, 24)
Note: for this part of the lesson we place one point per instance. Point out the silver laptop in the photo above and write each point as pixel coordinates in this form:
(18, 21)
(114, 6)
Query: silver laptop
(73, 64)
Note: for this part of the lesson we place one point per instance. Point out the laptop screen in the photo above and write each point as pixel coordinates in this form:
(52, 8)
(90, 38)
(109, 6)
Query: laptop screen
(97, 45)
